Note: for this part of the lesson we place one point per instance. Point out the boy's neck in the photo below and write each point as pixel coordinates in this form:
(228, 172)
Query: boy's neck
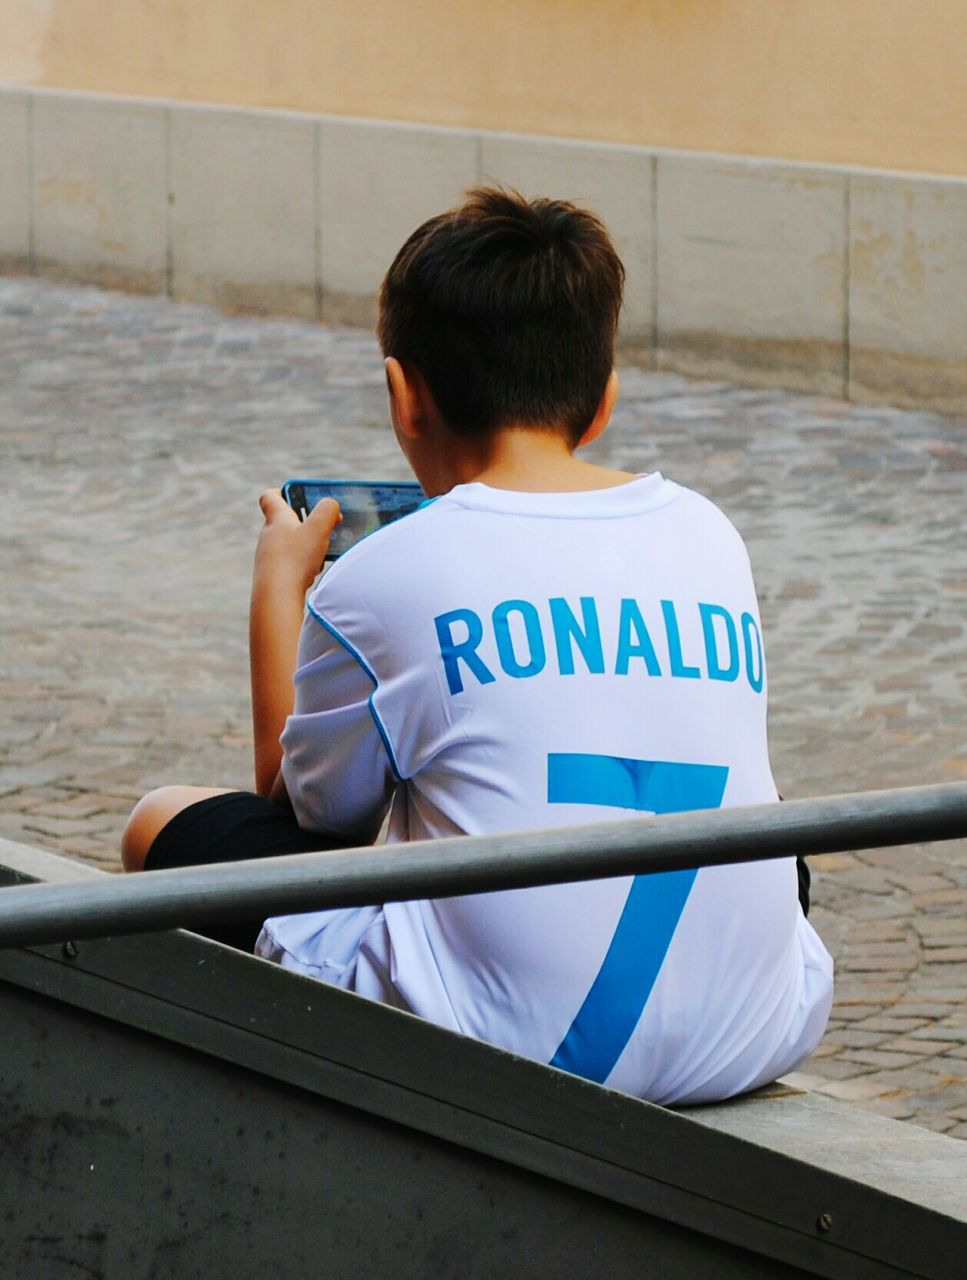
(530, 460)
(519, 456)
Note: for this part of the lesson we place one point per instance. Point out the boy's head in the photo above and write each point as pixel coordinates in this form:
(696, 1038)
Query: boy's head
(508, 308)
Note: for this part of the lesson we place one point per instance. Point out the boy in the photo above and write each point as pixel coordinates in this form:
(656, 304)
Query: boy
(546, 642)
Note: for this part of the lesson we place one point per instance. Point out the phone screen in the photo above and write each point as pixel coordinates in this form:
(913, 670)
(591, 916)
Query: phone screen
(366, 505)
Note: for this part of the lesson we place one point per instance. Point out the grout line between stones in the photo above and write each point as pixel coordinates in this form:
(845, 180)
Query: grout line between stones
(169, 205)
(31, 193)
(847, 268)
(654, 262)
(317, 213)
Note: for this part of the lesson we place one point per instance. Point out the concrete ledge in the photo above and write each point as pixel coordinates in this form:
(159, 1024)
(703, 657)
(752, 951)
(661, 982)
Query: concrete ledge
(802, 1184)
(892, 1156)
(40, 864)
(843, 281)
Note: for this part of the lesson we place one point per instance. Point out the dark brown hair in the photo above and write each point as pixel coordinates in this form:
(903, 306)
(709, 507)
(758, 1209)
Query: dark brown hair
(508, 307)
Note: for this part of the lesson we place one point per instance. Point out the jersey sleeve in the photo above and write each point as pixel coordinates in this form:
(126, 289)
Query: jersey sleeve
(335, 764)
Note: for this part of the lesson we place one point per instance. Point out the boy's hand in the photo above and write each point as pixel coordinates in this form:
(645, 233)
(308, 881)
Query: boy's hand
(288, 558)
(291, 550)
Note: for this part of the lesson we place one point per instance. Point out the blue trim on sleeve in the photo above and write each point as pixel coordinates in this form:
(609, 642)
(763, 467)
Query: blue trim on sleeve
(354, 653)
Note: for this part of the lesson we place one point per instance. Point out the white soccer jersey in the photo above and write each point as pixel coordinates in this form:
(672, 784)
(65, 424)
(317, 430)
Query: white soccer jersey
(503, 660)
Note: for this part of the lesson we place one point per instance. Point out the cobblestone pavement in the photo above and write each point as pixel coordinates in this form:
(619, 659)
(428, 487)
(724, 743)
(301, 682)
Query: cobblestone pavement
(136, 435)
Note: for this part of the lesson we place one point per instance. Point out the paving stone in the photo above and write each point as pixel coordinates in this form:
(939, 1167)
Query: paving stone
(926, 1087)
(151, 428)
(941, 927)
(827, 1049)
(857, 1012)
(895, 963)
(837, 862)
(854, 1090)
(953, 1064)
(857, 986)
(935, 1121)
(882, 910)
(880, 1058)
(919, 884)
(839, 1067)
(876, 931)
(904, 1026)
(933, 1009)
(943, 981)
(853, 1038)
(78, 807)
(931, 1097)
(928, 902)
(907, 1044)
(66, 828)
(895, 1107)
(903, 948)
(904, 863)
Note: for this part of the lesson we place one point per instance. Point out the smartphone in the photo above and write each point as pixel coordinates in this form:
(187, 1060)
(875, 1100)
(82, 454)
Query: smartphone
(366, 505)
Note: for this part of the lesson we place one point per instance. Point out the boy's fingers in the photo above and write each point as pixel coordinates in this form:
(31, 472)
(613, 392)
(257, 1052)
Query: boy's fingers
(271, 501)
(324, 516)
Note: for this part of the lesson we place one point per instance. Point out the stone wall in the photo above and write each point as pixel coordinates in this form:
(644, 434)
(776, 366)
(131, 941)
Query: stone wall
(847, 281)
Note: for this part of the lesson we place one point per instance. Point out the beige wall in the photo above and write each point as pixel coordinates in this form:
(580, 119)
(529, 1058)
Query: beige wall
(876, 83)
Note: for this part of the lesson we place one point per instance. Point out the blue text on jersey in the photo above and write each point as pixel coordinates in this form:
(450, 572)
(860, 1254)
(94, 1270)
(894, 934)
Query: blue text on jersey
(524, 638)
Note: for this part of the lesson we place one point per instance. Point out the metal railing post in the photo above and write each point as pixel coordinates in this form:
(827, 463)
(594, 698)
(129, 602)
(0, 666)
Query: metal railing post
(41, 913)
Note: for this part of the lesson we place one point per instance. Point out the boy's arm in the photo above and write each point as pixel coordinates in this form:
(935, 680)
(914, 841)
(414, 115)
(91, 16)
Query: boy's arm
(288, 558)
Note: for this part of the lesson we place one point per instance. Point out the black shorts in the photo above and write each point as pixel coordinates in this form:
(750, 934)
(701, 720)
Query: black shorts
(233, 827)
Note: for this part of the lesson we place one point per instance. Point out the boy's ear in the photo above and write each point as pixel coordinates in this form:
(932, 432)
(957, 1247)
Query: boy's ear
(407, 398)
(599, 422)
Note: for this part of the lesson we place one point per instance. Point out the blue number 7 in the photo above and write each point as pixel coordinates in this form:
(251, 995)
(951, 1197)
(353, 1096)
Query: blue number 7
(613, 1006)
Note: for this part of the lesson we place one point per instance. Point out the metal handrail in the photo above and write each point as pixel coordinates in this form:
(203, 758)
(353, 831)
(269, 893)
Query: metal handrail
(42, 913)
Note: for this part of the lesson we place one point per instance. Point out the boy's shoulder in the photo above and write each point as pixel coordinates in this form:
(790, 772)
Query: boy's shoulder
(454, 528)
(472, 515)
(446, 517)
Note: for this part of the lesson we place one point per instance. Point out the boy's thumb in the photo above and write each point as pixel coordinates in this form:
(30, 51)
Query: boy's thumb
(326, 514)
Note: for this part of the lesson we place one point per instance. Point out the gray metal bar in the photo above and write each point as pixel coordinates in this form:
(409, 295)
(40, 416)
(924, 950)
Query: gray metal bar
(34, 914)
